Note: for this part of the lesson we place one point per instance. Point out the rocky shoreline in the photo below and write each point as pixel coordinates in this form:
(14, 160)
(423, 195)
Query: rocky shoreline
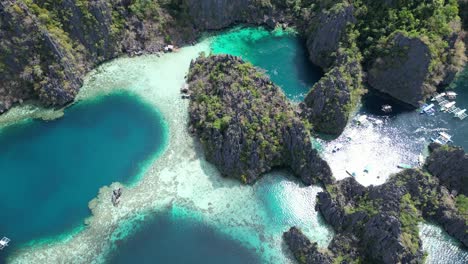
(379, 223)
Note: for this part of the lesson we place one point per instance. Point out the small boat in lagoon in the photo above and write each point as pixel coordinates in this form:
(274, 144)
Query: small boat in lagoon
(447, 106)
(421, 160)
(427, 109)
(404, 166)
(451, 95)
(442, 139)
(367, 169)
(4, 242)
(461, 114)
(386, 108)
(361, 120)
(337, 148)
(352, 174)
(438, 96)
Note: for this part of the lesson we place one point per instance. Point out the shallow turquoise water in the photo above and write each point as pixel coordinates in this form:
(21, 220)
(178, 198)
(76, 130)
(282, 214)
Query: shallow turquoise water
(282, 54)
(50, 170)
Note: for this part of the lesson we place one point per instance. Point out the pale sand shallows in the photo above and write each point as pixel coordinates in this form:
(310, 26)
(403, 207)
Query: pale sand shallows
(181, 178)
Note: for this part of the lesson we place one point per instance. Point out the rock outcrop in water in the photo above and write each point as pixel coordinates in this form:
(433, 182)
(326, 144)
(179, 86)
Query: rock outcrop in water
(450, 166)
(304, 250)
(379, 224)
(246, 124)
(329, 104)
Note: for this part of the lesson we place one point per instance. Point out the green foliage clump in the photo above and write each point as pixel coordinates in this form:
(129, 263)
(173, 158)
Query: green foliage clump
(409, 217)
(462, 206)
(429, 20)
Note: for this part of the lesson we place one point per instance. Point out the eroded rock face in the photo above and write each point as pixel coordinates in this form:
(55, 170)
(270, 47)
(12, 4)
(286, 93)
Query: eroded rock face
(329, 103)
(450, 165)
(303, 250)
(383, 219)
(246, 124)
(404, 72)
(47, 47)
(326, 31)
(217, 14)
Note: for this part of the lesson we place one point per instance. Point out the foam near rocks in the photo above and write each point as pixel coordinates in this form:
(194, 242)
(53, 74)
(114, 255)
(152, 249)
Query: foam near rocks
(180, 177)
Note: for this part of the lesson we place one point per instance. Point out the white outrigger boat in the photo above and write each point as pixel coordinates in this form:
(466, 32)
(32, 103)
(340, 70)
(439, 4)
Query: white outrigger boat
(4, 242)
(442, 139)
(461, 114)
(447, 106)
(451, 95)
(438, 97)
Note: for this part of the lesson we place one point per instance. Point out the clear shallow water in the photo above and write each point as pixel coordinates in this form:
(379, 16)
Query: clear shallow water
(282, 54)
(51, 170)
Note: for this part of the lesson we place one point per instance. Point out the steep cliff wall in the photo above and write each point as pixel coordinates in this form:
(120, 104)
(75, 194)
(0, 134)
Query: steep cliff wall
(47, 46)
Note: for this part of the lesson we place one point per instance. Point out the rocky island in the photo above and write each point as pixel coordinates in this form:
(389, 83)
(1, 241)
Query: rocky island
(379, 224)
(246, 124)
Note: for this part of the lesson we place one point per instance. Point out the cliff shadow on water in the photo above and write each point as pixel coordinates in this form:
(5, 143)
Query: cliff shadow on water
(52, 169)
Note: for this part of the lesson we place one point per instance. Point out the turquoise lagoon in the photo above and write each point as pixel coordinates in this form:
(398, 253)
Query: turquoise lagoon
(52, 169)
(281, 53)
(181, 198)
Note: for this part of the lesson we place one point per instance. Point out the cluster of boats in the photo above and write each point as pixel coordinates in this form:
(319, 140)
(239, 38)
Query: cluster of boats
(443, 99)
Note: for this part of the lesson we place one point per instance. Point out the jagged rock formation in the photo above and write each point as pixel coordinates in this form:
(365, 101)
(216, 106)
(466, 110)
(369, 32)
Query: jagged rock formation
(450, 165)
(329, 103)
(218, 14)
(378, 224)
(304, 251)
(47, 46)
(326, 31)
(332, 99)
(402, 73)
(246, 124)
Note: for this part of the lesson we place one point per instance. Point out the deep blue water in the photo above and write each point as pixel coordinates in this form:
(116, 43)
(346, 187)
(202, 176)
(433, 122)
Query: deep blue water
(50, 170)
(167, 239)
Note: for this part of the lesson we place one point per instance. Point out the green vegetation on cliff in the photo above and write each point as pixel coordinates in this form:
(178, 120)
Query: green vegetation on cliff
(246, 124)
(432, 21)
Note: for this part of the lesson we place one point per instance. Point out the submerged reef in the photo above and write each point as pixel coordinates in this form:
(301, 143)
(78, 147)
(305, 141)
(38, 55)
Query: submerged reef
(379, 224)
(246, 124)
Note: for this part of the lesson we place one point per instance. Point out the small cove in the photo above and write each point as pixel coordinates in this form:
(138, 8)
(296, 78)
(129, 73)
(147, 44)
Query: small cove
(281, 53)
(52, 169)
